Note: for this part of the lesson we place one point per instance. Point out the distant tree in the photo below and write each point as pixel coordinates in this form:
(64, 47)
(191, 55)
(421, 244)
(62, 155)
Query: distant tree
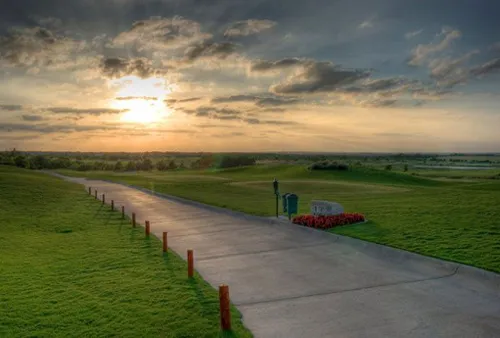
(161, 165)
(146, 165)
(406, 168)
(21, 161)
(182, 165)
(39, 162)
(131, 166)
(388, 167)
(172, 165)
(118, 166)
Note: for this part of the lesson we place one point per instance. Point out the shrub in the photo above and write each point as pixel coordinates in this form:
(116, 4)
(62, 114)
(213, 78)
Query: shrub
(328, 222)
(236, 161)
(328, 165)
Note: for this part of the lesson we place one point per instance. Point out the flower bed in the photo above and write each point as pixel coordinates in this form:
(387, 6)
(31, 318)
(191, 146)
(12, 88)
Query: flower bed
(328, 222)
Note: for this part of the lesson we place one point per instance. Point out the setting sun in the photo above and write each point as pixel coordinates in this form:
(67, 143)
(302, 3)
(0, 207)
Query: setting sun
(142, 98)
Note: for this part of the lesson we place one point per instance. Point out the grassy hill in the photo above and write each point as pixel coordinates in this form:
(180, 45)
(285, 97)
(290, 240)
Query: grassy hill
(72, 268)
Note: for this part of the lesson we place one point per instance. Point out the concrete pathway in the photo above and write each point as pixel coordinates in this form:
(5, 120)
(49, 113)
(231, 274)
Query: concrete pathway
(289, 281)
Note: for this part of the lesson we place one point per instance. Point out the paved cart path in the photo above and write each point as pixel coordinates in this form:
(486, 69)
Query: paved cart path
(290, 281)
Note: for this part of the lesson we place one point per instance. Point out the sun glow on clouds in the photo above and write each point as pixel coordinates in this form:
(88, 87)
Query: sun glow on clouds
(142, 98)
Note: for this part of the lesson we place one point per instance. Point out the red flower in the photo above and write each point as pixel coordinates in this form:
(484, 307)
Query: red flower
(328, 222)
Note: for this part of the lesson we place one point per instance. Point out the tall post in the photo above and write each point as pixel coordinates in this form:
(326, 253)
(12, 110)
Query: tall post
(225, 307)
(133, 219)
(95, 193)
(112, 205)
(147, 229)
(90, 190)
(103, 199)
(190, 263)
(277, 193)
(123, 212)
(165, 243)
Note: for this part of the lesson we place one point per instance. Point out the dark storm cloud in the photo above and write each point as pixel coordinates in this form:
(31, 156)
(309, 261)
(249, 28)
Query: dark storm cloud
(91, 111)
(320, 77)
(248, 27)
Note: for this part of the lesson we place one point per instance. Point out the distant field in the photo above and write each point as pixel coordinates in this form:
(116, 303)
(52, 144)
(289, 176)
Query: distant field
(453, 220)
(72, 268)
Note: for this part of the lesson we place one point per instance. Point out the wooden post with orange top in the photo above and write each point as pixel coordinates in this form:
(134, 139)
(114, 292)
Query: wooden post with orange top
(225, 307)
(190, 263)
(165, 243)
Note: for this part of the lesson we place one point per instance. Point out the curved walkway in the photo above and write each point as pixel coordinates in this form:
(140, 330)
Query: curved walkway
(290, 281)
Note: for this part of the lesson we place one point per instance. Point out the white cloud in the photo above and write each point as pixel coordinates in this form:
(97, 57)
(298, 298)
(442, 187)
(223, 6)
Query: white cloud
(422, 51)
(248, 27)
(413, 34)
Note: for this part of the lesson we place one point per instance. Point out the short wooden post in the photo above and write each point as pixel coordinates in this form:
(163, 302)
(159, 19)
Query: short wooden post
(90, 190)
(133, 219)
(103, 199)
(112, 205)
(95, 194)
(123, 212)
(190, 263)
(147, 228)
(225, 307)
(165, 243)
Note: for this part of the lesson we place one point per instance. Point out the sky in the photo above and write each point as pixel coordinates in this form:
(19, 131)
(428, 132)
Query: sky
(250, 75)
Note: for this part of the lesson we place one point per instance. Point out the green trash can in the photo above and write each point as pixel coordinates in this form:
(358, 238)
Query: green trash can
(292, 204)
(284, 200)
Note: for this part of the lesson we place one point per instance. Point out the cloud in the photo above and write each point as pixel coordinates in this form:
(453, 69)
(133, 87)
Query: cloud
(449, 72)
(422, 51)
(260, 101)
(39, 47)
(32, 117)
(116, 67)
(45, 128)
(411, 35)
(11, 107)
(91, 111)
(486, 68)
(320, 77)
(378, 85)
(209, 50)
(248, 27)
(159, 33)
(266, 66)
(146, 98)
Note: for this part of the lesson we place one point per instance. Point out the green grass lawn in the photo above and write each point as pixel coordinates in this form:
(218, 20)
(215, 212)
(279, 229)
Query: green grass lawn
(70, 267)
(457, 221)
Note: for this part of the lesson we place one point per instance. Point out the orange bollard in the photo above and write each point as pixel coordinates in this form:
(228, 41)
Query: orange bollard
(225, 307)
(123, 212)
(112, 205)
(147, 229)
(90, 191)
(133, 219)
(95, 193)
(103, 199)
(165, 244)
(190, 264)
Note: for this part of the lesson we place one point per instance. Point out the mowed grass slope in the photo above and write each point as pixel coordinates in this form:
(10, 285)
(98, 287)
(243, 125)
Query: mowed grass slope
(457, 221)
(70, 267)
